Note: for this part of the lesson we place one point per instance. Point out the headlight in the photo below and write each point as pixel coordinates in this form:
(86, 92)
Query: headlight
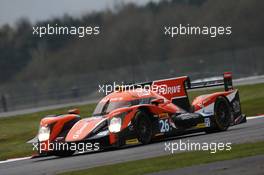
(115, 125)
(44, 133)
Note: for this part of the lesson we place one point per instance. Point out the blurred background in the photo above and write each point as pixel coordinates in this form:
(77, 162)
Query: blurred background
(131, 47)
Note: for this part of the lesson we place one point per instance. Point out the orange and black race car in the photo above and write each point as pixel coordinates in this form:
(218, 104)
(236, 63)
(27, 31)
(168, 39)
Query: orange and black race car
(142, 113)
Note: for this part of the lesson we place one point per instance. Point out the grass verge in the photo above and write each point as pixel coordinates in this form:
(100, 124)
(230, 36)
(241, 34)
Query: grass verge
(173, 161)
(16, 130)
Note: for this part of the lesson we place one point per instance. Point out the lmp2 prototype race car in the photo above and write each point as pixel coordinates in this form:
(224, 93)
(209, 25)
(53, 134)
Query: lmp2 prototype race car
(152, 110)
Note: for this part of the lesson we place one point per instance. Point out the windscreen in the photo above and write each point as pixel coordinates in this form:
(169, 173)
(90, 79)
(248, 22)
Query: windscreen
(103, 108)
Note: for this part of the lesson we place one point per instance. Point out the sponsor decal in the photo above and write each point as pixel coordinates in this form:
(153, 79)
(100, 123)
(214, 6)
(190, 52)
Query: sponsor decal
(164, 125)
(132, 141)
(78, 132)
(200, 125)
(207, 122)
(171, 88)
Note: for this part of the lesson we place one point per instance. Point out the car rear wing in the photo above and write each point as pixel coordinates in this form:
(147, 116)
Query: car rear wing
(173, 88)
(225, 81)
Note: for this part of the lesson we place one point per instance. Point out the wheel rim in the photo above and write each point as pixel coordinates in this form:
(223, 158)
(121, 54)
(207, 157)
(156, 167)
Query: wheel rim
(222, 114)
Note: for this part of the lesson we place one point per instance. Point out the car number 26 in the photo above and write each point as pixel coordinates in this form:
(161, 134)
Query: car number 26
(164, 125)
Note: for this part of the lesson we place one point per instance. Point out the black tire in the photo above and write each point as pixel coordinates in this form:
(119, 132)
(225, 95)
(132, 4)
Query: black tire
(143, 127)
(222, 116)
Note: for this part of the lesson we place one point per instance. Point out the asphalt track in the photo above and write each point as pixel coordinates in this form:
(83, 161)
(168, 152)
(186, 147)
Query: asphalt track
(244, 166)
(251, 131)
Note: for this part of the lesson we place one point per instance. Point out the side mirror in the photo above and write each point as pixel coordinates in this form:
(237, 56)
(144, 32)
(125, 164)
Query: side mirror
(157, 101)
(74, 111)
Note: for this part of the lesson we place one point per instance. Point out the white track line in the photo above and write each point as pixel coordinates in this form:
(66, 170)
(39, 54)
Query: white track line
(256, 117)
(25, 158)
(15, 159)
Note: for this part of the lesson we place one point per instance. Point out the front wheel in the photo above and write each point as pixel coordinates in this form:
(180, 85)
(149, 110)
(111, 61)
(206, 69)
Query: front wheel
(222, 116)
(143, 127)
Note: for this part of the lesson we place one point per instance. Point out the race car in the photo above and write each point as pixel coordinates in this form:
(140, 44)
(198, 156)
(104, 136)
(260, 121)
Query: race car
(143, 112)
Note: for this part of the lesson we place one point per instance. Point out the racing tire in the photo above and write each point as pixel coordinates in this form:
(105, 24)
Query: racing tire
(222, 116)
(143, 127)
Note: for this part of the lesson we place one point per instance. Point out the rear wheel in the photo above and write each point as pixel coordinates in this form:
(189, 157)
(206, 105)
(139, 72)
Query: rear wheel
(143, 127)
(222, 116)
